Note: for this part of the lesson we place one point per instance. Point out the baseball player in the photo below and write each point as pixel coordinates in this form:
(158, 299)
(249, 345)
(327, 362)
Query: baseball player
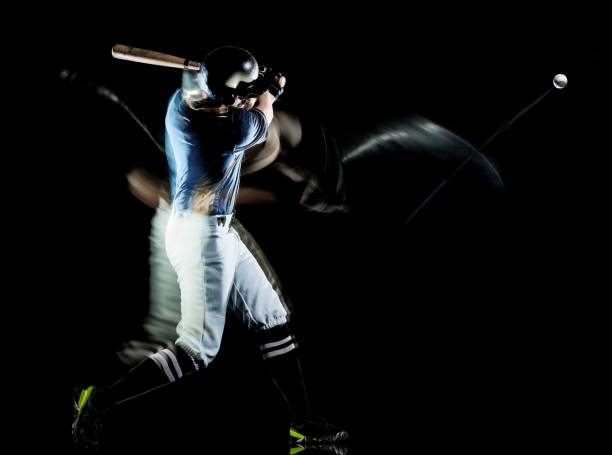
(207, 133)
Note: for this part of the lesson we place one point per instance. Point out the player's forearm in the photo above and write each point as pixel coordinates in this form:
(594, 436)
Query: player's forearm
(266, 100)
(264, 103)
(147, 188)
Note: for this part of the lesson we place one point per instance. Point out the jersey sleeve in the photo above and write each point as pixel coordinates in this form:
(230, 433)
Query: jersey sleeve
(252, 128)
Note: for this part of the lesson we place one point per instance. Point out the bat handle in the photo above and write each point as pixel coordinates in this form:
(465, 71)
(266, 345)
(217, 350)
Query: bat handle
(135, 54)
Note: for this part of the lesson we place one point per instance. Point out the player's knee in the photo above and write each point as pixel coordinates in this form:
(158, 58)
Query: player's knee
(268, 317)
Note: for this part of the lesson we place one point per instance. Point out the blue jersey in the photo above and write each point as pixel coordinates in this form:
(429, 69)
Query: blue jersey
(205, 153)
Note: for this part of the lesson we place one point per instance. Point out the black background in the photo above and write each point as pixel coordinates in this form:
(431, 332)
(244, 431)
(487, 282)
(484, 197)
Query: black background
(465, 330)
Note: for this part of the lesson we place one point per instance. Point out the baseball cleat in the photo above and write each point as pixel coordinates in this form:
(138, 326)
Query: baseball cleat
(317, 431)
(87, 419)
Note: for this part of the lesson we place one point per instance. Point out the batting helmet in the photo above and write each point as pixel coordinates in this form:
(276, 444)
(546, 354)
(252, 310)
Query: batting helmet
(223, 70)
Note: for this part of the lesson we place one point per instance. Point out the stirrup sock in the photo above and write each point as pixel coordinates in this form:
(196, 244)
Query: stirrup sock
(162, 368)
(280, 354)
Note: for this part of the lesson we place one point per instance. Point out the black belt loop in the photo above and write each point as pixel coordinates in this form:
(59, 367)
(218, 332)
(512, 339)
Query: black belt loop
(221, 220)
(224, 220)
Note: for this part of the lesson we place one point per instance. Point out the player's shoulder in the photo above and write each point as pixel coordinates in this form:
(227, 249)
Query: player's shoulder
(177, 109)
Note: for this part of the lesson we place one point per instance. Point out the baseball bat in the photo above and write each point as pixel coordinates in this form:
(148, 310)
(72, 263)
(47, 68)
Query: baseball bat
(135, 54)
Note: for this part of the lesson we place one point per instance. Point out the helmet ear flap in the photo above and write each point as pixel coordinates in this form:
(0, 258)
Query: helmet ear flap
(221, 94)
(225, 95)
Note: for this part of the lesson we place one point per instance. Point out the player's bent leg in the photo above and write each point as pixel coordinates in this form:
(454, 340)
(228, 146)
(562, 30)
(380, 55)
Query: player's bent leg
(158, 370)
(256, 302)
(279, 351)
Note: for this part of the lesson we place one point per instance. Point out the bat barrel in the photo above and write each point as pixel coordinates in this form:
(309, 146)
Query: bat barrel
(135, 54)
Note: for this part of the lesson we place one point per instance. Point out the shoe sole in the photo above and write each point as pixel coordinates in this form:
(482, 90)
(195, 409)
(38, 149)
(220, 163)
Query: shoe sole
(300, 438)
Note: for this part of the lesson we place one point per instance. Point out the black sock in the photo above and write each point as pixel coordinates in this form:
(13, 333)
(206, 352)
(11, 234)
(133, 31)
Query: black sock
(160, 369)
(279, 351)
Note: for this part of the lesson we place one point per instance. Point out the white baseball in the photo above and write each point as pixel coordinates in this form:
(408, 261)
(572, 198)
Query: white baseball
(560, 81)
